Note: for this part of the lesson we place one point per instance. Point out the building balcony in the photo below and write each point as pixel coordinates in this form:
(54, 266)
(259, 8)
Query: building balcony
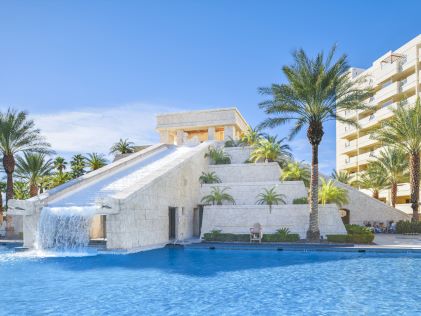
(387, 92)
(407, 84)
(388, 71)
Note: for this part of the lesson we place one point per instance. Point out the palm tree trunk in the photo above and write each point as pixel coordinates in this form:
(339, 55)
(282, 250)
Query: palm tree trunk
(313, 233)
(33, 190)
(9, 168)
(375, 194)
(414, 180)
(393, 194)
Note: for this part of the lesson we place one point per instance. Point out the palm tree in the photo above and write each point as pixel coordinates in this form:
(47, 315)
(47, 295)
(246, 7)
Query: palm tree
(270, 197)
(251, 136)
(218, 156)
(209, 178)
(217, 196)
(296, 171)
(32, 167)
(18, 134)
(60, 164)
(330, 193)
(78, 165)
(270, 149)
(95, 161)
(2, 189)
(372, 179)
(341, 176)
(403, 132)
(316, 91)
(123, 146)
(393, 165)
(21, 193)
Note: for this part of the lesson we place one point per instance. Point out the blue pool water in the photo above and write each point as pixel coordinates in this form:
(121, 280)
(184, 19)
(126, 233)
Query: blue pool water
(211, 282)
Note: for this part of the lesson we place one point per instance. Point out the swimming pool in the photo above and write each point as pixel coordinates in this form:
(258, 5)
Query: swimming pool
(211, 282)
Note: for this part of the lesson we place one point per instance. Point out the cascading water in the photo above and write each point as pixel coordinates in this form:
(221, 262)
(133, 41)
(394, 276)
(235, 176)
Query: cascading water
(64, 228)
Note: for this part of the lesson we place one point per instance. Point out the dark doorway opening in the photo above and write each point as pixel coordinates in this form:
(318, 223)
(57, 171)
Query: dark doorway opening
(344, 215)
(171, 218)
(197, 220)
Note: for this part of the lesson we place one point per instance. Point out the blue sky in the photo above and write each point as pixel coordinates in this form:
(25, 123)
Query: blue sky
(90, 72)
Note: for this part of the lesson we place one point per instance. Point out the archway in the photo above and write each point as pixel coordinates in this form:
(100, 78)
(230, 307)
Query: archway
(344, 213)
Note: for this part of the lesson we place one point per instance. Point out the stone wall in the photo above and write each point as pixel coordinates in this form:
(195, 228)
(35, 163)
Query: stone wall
(143, 219)
(364, 208)
(238, 154)
(245, 193)
(252, 172)
(237, 219)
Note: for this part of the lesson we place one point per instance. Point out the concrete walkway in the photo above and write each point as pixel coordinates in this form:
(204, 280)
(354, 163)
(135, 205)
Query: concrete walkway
(397, 241)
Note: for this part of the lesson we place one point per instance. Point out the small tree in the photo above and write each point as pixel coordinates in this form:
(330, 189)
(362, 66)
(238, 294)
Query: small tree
(60, 164)
(372, 179)
(32, 167)
(123, 146)
(218, 196)
(330, 193)
(218, 156)
(209, 178)
(341, 176)
(95, 161)
(270, 149)
(296, 171)
(78, 166)
(251, 136)
(270, 197)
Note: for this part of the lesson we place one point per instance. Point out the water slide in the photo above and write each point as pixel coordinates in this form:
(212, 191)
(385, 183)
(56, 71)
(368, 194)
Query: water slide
(66, 212)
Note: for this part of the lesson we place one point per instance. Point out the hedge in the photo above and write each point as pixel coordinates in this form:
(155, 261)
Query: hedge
(356, 235)
(225, 237)
(405, 227)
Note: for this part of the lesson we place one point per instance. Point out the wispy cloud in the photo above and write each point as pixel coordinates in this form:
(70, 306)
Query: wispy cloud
(96, 129)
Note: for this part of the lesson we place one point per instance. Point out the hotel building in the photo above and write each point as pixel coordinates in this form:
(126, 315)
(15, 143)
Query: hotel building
(395, 78)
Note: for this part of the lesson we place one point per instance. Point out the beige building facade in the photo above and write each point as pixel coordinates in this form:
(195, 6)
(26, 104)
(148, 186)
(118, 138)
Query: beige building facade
(216, 124)
(395, 78)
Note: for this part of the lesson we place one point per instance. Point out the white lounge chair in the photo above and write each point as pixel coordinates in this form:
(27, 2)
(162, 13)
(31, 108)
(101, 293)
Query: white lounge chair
(256, 233)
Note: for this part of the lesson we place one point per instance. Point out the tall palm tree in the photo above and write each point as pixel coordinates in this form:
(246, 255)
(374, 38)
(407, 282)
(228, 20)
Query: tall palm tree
(78, 165)
(270, 197)
(32, 167)
(123, 146)
(372, 179)
(316, 90)
(403, 132)
(341, 176)
(330, 193)
(2, 189)
(60, 164)
(95, 161)
(18, 134)
(393, 165)
(296, 171)
(270, 149)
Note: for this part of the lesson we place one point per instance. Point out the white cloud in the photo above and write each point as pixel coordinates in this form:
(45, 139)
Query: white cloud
(96, 129)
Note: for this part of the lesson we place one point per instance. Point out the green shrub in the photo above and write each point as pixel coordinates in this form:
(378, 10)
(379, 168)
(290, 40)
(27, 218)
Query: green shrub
(342, 239)
(301, 200)
(357, 229)
(406, 227)
(282, 235)
(355, 234)
(218, 156)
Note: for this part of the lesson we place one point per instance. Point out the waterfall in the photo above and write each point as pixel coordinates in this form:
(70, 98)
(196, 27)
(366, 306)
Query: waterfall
(64, 228)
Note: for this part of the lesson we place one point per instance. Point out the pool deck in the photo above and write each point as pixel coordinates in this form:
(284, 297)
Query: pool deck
(384, 243)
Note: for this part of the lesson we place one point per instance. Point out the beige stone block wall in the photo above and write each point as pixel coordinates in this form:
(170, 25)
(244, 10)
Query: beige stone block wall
(246, 193)
(238, 219)
(252, 172)
(143, 220)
